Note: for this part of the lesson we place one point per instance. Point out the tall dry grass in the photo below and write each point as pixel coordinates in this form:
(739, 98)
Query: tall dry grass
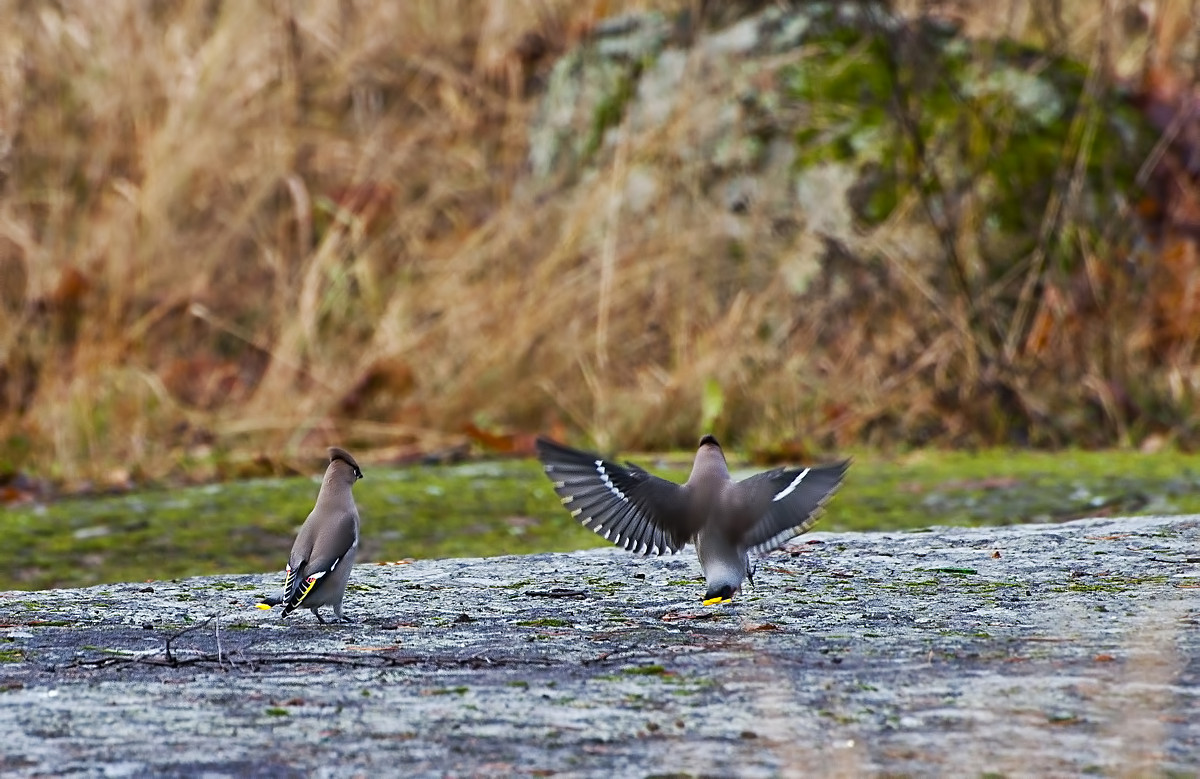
(219, 217)
(231, 228)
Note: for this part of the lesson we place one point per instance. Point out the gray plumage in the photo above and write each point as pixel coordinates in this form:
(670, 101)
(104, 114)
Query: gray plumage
(727, 520)
(323, 553)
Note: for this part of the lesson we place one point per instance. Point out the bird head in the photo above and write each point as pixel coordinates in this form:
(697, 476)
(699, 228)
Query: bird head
(718, 595)
(336, 454)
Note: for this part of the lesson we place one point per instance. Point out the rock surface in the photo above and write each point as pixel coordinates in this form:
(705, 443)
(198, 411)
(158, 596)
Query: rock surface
(1053, 649)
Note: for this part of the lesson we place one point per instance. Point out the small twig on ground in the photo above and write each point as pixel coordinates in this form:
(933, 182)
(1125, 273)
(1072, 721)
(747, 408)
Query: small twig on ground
(377, 660)
(217, 630)
(557, 592)
(167, 650)
(220, 650)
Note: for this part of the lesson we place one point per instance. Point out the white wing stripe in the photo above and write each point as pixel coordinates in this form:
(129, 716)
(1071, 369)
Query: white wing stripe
(788, 490)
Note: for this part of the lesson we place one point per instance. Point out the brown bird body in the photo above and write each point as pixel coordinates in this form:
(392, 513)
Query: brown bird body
(323, 554)
(726, 519)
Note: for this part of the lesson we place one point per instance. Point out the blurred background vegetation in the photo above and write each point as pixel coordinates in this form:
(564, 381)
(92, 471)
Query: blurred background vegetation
(234, 232)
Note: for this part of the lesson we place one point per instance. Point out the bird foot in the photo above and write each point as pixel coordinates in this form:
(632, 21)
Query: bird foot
(336, 619)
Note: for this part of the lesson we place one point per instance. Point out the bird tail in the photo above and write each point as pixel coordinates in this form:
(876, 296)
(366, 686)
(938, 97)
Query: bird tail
(291, 582)
(290, 585)
(301, 590)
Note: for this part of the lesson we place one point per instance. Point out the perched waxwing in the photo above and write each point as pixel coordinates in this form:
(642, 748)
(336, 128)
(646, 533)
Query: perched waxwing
(727, 520)
(324, 551)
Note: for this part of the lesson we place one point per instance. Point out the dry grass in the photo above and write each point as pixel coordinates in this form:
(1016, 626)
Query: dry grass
(232, 228)
(227, 215)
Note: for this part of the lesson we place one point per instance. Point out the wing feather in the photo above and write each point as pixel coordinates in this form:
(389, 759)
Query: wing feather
(626, 504)
(317, 553)
(787, 502)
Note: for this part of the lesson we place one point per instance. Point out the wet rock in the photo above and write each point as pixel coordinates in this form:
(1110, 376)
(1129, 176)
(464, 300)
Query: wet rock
(1076, 651)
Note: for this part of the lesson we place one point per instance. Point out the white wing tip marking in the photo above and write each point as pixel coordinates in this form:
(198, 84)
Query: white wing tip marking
(788, 490)
(604, 477)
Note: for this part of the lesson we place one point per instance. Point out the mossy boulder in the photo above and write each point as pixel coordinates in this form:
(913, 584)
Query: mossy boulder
(850, 118)
(901, 208)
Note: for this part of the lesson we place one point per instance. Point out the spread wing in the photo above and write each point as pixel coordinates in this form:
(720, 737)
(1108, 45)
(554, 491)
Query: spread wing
(787, 502)
(632, 508)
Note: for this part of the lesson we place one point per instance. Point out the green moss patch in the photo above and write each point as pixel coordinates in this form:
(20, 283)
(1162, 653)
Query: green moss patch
(466, 511)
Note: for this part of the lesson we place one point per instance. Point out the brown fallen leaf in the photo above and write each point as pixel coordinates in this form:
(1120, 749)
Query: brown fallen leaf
(758, 627)
(12, 496)
(1102, 658)
(502, 441)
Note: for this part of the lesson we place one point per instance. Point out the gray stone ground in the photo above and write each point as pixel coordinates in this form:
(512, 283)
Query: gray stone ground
(1047, 650)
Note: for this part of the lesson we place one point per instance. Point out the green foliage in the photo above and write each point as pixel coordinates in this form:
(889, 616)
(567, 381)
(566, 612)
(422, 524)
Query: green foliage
(711, 405)
(609, 112)
(953, 115)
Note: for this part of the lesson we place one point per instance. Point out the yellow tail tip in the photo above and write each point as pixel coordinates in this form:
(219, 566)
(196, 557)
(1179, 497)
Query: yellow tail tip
(263, 606)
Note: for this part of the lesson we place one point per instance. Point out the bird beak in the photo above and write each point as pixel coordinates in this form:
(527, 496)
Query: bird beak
(263, 606)
(717, 601)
